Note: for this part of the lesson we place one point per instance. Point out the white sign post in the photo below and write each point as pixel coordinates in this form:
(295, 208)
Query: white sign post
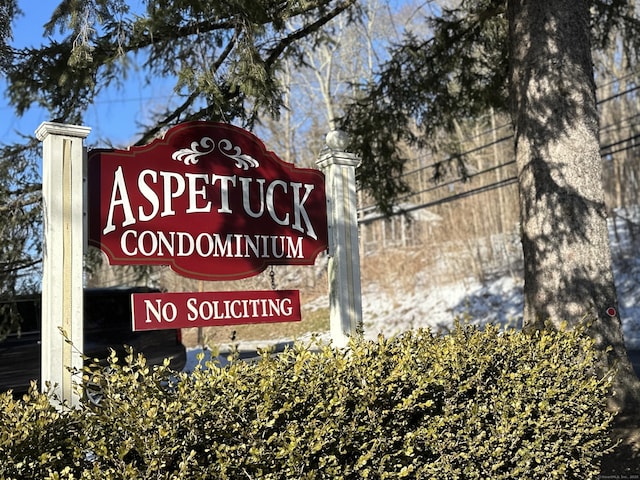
(345, 302)
(62, 280)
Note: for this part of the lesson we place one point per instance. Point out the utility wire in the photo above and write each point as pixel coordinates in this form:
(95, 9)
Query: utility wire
(625, 144)
(440, 201)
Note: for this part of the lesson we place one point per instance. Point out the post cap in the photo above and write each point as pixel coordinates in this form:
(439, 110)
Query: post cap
(337, 140)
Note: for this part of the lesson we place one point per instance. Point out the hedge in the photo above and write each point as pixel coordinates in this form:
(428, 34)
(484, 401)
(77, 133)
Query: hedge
(472, 404)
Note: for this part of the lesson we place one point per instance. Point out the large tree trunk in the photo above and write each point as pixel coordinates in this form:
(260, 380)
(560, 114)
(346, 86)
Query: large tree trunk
(568, 271)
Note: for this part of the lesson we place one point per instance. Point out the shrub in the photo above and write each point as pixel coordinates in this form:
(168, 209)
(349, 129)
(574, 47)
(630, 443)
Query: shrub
(472, 404)
(36, 439)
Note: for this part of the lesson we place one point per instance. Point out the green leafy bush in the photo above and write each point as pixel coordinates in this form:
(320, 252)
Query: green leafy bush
(472, 404)
(36, 439)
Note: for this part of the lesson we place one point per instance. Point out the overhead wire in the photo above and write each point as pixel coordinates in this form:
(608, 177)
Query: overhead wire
(609, 149)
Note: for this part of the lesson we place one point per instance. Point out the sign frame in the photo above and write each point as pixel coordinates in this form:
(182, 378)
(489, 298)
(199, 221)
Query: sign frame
(156, 311)
(209, 200)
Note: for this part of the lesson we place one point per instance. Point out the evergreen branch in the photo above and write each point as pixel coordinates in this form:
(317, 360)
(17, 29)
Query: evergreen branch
(175, 114)
(11, 267)
(306, 30)
(21, 203)
(150, 134)
(170, 33)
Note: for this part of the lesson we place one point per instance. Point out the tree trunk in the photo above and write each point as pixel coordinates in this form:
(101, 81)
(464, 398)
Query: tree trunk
(567, 260)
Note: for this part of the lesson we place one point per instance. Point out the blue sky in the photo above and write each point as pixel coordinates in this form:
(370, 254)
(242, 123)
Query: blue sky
(113, 115)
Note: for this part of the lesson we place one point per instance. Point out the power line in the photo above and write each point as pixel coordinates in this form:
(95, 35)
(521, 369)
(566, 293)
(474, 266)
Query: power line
(451, 158)
(451, 198)
(617, 143)
(619, 94)
(608, 149)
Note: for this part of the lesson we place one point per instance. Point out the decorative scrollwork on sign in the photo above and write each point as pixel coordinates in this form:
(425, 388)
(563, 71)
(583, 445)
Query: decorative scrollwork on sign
(190, 156)
(242, 160)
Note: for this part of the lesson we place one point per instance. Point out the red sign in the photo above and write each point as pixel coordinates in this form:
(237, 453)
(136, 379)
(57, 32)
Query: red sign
(155, 311)
(209, 200)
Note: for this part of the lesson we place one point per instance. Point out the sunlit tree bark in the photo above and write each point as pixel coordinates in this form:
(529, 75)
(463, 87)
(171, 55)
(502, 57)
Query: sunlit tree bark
(567, 261)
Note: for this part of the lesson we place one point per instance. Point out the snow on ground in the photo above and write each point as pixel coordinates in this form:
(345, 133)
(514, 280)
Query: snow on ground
(500, 301)
(496, 301)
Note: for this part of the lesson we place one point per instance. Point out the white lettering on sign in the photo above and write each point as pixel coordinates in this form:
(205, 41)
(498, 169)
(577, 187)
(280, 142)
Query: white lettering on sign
(158, 310)
(161, 312)
(282, 202)
(232, 245)
(239, 308)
